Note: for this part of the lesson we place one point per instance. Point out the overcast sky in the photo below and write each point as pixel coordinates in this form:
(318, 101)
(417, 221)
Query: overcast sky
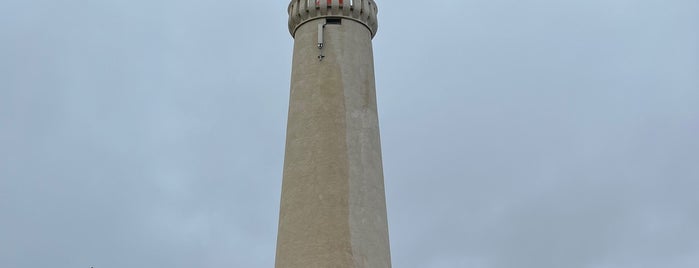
(516, 134)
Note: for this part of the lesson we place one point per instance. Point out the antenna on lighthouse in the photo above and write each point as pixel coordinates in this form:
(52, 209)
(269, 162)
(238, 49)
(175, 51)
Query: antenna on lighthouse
(321, 27)
(321, 38)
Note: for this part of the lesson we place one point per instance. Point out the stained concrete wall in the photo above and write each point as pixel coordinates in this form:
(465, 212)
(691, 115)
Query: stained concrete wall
(333, 208)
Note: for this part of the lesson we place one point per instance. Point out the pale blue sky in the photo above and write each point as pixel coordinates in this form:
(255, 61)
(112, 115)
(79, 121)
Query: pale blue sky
(532, 134)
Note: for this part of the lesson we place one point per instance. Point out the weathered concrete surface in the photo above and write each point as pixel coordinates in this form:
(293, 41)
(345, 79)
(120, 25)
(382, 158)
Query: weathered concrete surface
(333, 208)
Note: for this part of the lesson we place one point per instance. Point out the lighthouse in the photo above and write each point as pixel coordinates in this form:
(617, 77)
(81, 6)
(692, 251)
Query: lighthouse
(333, 204)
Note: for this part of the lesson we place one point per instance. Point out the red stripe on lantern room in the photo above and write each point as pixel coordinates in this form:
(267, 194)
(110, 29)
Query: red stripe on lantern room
(329, 2)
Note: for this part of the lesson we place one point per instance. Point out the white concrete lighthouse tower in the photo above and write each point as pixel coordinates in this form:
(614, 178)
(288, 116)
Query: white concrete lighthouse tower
(333, 207)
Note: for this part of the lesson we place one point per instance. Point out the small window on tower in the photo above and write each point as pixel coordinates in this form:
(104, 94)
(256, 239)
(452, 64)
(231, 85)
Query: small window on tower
(333, 21)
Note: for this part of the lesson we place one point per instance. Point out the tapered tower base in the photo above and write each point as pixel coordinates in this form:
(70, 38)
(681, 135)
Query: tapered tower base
(333, 208)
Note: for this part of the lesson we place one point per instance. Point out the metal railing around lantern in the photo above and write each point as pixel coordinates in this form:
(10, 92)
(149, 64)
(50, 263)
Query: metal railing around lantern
(363, 11)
